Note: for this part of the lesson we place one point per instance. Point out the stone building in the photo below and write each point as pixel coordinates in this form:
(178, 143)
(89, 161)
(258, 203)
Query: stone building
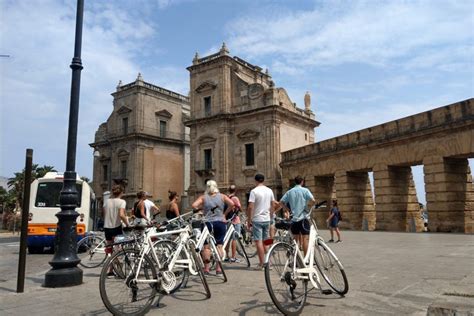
(143, 143)
(240, 123)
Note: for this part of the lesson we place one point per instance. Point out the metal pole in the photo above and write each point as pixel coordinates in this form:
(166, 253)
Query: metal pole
(64, 271)
(20, 283)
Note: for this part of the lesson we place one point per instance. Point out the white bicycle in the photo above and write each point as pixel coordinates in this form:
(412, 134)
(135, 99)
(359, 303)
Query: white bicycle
(287, 271)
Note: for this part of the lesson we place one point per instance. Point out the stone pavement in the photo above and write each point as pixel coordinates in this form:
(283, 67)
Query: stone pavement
(389, 273)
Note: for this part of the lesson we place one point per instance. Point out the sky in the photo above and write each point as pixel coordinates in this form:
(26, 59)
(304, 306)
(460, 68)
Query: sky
(364, 62)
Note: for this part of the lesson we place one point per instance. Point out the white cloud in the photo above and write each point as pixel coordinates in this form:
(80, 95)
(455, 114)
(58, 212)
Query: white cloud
(366, 32)
(36, 79)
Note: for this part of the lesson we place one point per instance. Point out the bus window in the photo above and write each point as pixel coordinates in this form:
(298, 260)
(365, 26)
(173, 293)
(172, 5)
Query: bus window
(48, 194)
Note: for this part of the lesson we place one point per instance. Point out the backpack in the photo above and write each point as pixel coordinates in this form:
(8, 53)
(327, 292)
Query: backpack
(340, 216)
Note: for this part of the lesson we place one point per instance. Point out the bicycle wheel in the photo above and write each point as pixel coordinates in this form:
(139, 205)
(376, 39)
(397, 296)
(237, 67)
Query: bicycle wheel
(330, 267)
(216, 260)
(241, 254)
(287, 291)
(198, 265)
(165, 250)
(91, 251)
(119, 291)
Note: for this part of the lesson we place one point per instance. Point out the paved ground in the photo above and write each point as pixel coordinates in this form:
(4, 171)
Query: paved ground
(389, 273)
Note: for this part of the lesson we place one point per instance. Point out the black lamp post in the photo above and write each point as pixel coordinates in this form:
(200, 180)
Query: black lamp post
(64, 271)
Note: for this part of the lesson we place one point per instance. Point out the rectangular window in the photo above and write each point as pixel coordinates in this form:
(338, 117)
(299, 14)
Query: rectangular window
(207, 106)
(125, 126)
(162, 128)
(105, 173)
(207, 159)
(48, 193)
(123, 169)
(249, 155)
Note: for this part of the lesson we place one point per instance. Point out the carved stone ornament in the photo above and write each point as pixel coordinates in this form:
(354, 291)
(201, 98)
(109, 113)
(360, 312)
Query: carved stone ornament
(248, 134)
(122, 153)
(255, 91)
(163, 113)
(124, 109)
(206, 139)
(206, 86)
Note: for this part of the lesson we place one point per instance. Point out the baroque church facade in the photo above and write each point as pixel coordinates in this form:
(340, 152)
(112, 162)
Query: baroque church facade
(234, 124)
(144, 143)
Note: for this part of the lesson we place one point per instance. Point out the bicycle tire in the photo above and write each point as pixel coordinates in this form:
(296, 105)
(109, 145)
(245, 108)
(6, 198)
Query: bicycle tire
(120, 295)
(241, 251)
(93, 256)
(330, 267)
(199, 268)
(287, 293)
(165, 250)
(217, 260)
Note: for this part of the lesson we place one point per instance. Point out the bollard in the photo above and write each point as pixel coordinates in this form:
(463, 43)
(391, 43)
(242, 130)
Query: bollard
(20, 285)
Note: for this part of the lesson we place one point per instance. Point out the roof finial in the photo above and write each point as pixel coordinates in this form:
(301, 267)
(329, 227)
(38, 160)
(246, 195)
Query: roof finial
(119, 84)
(139, 77)
(196, 58)
(224, 50)
(307, 101)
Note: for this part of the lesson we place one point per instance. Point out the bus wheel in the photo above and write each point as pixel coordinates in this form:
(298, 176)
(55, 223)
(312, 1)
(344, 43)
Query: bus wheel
(35, 250)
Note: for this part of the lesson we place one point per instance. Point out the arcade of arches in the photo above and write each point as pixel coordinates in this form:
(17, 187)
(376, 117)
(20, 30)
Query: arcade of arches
(441, 140)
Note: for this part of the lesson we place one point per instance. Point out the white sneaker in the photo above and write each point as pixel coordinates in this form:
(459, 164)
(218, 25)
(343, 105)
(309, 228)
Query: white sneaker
(258, 267)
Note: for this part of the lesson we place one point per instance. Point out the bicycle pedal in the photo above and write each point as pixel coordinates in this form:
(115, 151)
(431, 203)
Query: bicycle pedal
(326, 292)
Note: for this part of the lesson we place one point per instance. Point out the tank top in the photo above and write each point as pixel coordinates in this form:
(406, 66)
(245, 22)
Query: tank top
(169, 213)
(213, 207)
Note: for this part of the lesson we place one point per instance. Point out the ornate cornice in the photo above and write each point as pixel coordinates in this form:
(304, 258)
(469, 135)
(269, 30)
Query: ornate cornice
(164, 113)
(124, 110)
(206, 86)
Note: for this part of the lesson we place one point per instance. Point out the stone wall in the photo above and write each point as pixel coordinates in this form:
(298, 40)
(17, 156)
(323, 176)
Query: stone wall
(441, 140)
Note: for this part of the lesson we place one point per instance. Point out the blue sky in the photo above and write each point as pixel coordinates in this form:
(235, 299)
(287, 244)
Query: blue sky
(364, 62)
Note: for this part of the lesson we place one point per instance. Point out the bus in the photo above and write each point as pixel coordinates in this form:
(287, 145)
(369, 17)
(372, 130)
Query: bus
(44, 204)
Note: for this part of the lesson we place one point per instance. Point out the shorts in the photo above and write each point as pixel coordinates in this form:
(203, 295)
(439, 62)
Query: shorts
(334, 223)
(110, 233)
(217, 229)
(260, 230)
(238, 230)
(301, 227)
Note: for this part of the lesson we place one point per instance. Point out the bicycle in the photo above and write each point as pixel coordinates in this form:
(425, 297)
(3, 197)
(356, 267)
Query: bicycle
(91, 250)
(247, 239)
(287, 271)
(232, 234)
(131, 278)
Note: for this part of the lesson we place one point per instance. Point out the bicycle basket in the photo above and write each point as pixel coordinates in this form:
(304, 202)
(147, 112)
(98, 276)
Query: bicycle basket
(282, 224)
(196, 224)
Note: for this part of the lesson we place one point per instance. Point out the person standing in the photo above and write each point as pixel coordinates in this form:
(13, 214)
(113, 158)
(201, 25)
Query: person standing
(298, 197)
(333, 222)
(139, 210)
(150, 208)
(212, 203)
(235, 221)
(173, 209)
(114, 215)
(259, 211)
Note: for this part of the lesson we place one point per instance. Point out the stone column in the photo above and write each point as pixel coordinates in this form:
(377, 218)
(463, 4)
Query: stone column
(323, 190)
(397, 207)
(449, 194)
(354, 198)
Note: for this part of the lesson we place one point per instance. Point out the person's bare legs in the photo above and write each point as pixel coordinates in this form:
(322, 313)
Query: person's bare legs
(260, 250)
(338, 233)
(206, 257)
(234, 248)
(332, 232)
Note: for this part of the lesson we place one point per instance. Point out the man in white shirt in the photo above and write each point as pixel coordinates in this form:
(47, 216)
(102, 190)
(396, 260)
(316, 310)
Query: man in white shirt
(150, 208)
(260, 208)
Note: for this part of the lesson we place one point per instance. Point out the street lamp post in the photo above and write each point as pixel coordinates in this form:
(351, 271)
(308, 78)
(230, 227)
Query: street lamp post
(64, 271)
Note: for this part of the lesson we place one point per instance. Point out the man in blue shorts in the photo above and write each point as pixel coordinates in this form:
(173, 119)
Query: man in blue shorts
(298, 197)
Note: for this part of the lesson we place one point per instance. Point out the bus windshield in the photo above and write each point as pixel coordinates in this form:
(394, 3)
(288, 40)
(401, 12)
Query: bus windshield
(48, 194)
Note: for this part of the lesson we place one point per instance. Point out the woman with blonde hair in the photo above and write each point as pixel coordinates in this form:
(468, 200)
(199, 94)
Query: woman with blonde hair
(212, 203)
